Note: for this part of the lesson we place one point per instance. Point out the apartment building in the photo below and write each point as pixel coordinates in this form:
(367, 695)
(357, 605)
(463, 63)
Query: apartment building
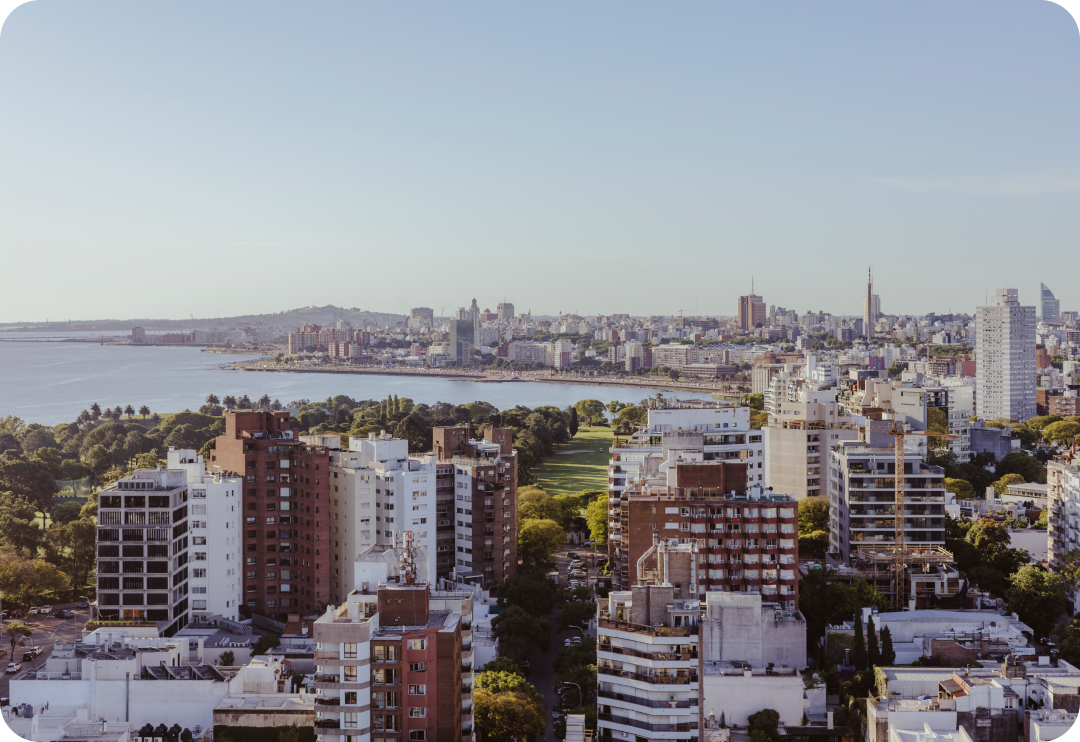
(1005, 354)
(286, 512)
(752, 312)
(484, 505)
(143, 550)
(377, 493)
(747, 536)
(394, 661)
(505, 310)
(647, 656)
(674, 355)
(862, 496)
(1063, 499)
(216, 585)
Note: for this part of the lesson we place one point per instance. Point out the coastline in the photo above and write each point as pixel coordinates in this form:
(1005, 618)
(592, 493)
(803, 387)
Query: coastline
(493, 378)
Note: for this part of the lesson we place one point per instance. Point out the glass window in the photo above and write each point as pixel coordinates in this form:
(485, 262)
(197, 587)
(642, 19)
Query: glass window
(417, 690)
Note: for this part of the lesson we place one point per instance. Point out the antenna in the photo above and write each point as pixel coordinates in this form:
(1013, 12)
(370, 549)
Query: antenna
(408, 558)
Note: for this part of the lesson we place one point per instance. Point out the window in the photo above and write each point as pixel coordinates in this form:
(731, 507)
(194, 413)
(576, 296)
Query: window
(417, 690)
(417, 712)
(418, 734)
(350, 674)
(350, 651)
(418, 666)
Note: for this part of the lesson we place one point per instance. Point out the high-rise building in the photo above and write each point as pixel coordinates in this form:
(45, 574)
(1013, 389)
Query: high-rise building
(421, 318)
(505, 310)
(752, 312)
(871, 307)
(286, 520)
(1005, 357)
(1051, 306)
(462, 339)
(482, 503)
(143, 550)
(215, 582)
(377, 493)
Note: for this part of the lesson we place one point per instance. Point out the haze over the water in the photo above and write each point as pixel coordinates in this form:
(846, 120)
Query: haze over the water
(217, 159)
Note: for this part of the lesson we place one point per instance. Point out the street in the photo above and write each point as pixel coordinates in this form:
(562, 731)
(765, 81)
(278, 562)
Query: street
(543, 676)
(47, 630)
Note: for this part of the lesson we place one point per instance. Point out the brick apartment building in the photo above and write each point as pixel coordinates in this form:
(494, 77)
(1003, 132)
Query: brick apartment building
(747, 536)
(285, 522)
(476, 491)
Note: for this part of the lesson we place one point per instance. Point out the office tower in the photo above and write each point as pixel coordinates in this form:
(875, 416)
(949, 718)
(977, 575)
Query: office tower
(215, 527)
(286, 521)
(1005, 357)
(462, 339)
(377, 494)
(143, 550)
(421, 319)
(477, 489)
(1051, 307)
(396, 658)
(871, 307)
(752, 312)
(505, 310)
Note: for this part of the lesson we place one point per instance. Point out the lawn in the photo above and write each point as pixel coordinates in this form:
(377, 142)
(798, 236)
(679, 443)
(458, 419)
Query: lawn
(570, 473)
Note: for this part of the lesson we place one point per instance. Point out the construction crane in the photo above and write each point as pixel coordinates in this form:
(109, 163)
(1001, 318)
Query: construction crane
(899, 568)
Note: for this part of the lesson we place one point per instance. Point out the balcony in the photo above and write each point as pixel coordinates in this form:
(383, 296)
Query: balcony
(327, 724)
(638, 701)
(657, 679)
(327, 701)
(655, 656)
(635, 628)
(625, 721)
(322, 677)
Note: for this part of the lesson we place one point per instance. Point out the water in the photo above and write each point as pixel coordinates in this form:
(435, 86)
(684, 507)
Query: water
(52, 382)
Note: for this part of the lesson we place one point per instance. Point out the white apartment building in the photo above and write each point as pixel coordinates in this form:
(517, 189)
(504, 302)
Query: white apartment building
(215, 582)
(674, 355)
(1005, 358)
(862, 497)
(377, 492)
(1063, 497)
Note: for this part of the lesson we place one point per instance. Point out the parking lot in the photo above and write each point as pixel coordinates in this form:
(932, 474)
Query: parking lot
(563, 559)
(48, 629)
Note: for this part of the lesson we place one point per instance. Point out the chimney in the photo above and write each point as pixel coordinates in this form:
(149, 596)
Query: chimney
(828, 720)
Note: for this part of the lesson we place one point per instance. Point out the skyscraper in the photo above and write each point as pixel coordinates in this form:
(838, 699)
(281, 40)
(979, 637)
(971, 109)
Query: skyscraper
(1051, 306)
(752, 311)
(462, 339)
(505, 310)
(871, 308)
(1005, 358)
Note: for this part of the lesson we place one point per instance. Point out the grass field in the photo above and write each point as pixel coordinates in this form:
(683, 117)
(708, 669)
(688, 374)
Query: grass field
(569, 474)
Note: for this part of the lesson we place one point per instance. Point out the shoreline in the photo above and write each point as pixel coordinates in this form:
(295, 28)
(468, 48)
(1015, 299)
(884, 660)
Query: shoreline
(490, 379)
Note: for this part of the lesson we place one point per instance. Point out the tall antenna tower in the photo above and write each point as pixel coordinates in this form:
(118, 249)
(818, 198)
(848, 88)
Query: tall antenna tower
(408, 558)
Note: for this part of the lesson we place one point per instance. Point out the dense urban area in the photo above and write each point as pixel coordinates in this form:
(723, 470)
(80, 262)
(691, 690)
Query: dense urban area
(860, 529)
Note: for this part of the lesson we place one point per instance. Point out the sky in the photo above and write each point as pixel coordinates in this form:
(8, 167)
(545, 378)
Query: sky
(167, 159)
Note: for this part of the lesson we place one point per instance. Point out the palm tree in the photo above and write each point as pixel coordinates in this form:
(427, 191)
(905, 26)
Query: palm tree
(95, 412)
(276, 405)
(156, 419)
(264, 402)
(212, 399)
(129, 411)
(244, 402)
(84, 417)
(144, 411)
(117, 413)
(229, 402)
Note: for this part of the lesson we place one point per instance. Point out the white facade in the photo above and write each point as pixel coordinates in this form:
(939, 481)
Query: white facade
(1005, 358)
(214, 526)
(377, 492)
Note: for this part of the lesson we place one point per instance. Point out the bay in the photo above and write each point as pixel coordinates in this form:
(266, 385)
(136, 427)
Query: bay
(52, 382)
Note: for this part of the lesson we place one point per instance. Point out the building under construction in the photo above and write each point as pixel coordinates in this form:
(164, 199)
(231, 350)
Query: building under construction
(930, 578)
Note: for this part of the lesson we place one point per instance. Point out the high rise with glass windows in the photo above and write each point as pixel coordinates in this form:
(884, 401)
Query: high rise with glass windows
(143, 550)
(1051, 306)
(1005, 358)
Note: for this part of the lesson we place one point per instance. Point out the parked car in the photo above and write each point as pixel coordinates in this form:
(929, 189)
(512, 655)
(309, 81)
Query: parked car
(46, 609)
(574, 555)
(34, 611)
(64, 614)
(572, 641)
(18, 614)
(32, 654)
(84, 603)
(13, 667)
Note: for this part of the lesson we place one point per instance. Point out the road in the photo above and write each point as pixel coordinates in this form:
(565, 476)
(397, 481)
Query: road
(47, 630)
(543, 676)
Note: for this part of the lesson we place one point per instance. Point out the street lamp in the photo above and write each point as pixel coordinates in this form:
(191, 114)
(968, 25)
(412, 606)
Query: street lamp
(580, 699)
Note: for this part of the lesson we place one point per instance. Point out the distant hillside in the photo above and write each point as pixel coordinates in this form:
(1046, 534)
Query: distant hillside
(292, 318)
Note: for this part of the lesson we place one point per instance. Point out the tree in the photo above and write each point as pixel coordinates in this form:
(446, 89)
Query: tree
(31, 480)
(264, 643)
(1001, 486)
(1020, 463)
(513, 623)
(1061, 433)
(17, 526)
(576, 613)
(858, 657)
(596, 515)
(26, 580)
(144, 411)
(503, 664)
(873, 655)
(227, 658)
(129, 411)
(1038, 597)
(753, 401)
(212, 399)
(229, 402)
(536, 504)
(95, 412)
(533, 594)
(592, 410)
(888, 654)
(813, 514)
(98, 460)
(572, 427)
(765, 721)
(66, 512)
(538, 540)
(507, 708)
(75, 542)
(959, 487)
(815, 543)
(16, 630)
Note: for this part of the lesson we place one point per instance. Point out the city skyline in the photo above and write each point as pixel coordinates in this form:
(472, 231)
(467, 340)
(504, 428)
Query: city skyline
(730, 138)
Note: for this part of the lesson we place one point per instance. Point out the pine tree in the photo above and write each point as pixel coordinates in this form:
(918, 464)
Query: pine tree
(397, 405)
(888, 654)
(573, 427)
(723, 721)
(873, 656)
(858, 658)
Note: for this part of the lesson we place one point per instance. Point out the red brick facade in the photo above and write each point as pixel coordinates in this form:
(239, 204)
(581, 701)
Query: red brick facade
(284, 523)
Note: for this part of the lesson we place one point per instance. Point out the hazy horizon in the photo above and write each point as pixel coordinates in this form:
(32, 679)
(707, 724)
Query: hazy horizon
(168, 160)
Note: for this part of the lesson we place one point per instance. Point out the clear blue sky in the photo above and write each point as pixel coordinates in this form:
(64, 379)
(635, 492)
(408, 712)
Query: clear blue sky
(209, 158)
